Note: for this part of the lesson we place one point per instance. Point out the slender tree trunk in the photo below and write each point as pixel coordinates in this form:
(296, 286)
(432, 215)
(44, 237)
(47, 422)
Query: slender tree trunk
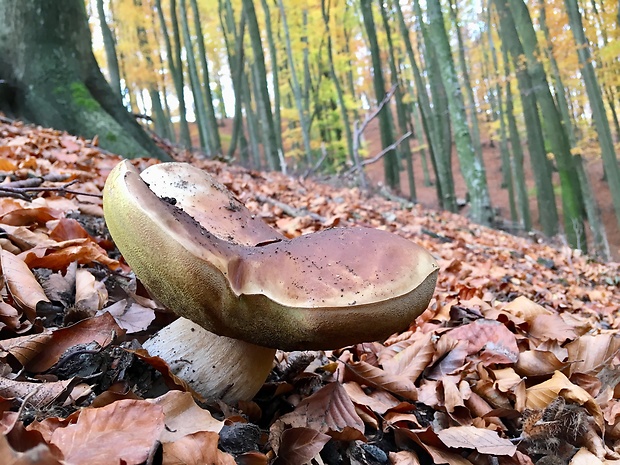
(109, 45)
(176, 69)
(344, 114)
(610, 162)
(303, 116)
(271, 151)
(437, 117)
(401, 114)
(211, 120)
(547, 209)
(199, 102)
(572, 201)
(390, 161)
(443, 169)
(471, 168)
(273, 55)
(471, 99)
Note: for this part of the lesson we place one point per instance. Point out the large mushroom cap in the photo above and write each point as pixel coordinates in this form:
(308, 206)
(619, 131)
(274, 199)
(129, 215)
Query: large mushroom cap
(237, 277)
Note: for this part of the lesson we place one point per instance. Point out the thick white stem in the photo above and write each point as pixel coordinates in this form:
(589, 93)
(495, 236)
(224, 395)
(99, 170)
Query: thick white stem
(216, 367)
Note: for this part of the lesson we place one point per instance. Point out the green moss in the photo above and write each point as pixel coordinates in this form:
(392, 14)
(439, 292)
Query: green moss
(81, 96)
(110, 136)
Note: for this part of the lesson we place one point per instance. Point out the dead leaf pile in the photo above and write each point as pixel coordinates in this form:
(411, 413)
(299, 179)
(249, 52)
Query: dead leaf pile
(516, 361)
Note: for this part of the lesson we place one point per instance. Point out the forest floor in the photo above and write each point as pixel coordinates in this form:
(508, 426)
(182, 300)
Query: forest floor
(515, 361)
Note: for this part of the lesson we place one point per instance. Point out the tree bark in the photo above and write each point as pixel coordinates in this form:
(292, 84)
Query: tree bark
(610, 162)
(471, 167)
(57, 80)
(109, 44)
(271, 152)
(390, 162)
(211, 120)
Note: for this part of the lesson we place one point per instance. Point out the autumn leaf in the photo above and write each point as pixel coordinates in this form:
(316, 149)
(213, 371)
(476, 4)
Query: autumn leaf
(329, 410)
(127, 431)
(483, 440)
(198, 448)
(300, 445)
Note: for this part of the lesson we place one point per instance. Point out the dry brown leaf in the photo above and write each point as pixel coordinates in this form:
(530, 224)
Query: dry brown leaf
(59, 256)
(41, 394)
(411, 360)
(300, 445)
(23, 286)
(66, 229)
(45, 352)
(184, 417)
(538, 363)
(329, 410)
(524, 308)
(551, 327)
(377, 401)
(484, 441)
(90, 294)
(591, 353)
(199, 448)
(127, 430)
(38, 455)
(585, 457)
(364, 373)
(404, 457)
(28, 216)
(130, 315)
(497, 343)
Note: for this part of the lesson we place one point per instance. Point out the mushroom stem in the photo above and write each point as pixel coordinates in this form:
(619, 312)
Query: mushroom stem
(216, 367)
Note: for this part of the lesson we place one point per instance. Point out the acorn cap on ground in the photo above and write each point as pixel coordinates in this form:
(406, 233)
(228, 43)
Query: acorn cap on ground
(319, 291)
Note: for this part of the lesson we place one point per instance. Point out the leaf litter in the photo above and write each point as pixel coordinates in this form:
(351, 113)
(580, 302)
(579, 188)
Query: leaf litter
(516, 360)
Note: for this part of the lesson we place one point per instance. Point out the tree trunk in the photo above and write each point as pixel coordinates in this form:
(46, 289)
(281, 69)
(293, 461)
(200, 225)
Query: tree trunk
(109, 45)
(401, 114)
(176, 68)
(471, 168)
(199, 102)
(211, 120)
(273, 55)
(303, 116)
(547, 209)
(572, 202)
(271, 151)
(610, 162)
(443, 176)
(56, 79)
(390, 161)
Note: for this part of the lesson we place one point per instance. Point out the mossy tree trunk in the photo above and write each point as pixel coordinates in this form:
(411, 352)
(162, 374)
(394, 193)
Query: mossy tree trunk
(471, 166)
(572, 201)
(390, 161)
(547, 208)
(57, 80)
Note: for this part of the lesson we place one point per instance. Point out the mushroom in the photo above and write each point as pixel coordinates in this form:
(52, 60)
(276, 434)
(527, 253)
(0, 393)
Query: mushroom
(204, 255)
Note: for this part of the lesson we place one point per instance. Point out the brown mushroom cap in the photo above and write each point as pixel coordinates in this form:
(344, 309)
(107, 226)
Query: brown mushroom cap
(323, 290)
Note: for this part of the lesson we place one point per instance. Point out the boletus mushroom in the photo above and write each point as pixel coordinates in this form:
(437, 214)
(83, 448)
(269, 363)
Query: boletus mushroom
(204, 255)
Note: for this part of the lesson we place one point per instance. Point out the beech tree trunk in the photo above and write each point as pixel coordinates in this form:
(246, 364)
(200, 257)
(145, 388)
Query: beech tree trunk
(56, 79)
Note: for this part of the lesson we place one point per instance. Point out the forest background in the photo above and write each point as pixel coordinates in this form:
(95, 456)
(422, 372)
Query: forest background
(450, 92)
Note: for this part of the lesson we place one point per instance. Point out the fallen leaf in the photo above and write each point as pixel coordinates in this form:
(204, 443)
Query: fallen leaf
(127, 431)
(198, 448)
(23, 286)
(370, 375)
(329, 410)
(300, 445)
(40, 394)
(130, 315)
(183, 416)
(484, 441)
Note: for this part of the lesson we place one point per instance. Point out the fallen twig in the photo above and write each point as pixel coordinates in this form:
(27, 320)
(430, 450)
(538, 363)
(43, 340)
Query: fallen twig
(290, 211)
(21, 189)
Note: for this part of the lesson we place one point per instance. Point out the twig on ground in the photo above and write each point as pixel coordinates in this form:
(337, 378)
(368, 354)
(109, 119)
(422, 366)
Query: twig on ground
(290, 211)
(21, 189)
(404, 203)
